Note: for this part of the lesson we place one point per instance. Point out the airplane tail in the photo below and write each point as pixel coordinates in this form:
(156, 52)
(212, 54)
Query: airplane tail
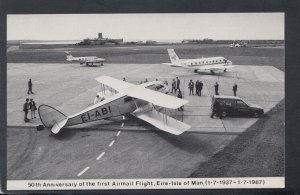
(52, 118)
(69, 56)
(173, 55)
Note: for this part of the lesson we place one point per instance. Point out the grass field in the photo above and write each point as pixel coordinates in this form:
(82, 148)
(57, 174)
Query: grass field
(154, 54)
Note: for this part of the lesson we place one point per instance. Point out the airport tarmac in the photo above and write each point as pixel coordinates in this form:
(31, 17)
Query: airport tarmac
(129, 152)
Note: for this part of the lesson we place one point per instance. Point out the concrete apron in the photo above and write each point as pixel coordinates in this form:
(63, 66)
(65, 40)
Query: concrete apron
(71, 88)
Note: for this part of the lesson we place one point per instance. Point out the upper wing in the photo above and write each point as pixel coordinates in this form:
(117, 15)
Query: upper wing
(114, 83)
(155, 97)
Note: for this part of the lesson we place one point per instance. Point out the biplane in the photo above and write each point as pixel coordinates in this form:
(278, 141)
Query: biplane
(145, 101)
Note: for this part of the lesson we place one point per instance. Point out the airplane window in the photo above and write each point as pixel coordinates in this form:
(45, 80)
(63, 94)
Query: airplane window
(159, 87)
(128, 99)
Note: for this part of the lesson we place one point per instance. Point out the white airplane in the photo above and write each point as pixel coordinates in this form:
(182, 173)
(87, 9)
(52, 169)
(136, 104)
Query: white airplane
(88, 60)
(211, 64)
(143, 101)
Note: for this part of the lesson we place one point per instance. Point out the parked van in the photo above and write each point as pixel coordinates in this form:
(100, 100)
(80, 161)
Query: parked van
(236, 106)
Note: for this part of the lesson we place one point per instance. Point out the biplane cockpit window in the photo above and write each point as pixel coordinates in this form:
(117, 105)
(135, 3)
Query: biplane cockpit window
(128, 99)
(158, 87)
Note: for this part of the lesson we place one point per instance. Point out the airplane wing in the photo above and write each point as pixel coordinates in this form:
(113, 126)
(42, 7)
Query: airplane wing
(162, 121)
(155, 97)
(174, 65)
(212, 67)
(114, 83)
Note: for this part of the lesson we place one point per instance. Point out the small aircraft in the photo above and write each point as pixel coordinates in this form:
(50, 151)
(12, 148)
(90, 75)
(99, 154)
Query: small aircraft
(144, 101)
(88, 60)
(211, 64)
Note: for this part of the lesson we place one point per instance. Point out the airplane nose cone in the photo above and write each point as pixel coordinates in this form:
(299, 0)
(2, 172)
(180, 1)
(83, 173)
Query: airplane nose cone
(229, 62)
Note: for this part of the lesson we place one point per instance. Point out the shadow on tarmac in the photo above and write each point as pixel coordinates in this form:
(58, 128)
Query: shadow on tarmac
(186, 141)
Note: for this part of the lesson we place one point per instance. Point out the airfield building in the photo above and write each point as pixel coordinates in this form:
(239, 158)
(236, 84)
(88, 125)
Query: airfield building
(100, 41)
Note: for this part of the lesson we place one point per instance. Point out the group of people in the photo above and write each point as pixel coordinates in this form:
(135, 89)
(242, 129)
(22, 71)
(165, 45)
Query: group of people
(198, 85)
(234, 88)
(29, 105)
(175, 85)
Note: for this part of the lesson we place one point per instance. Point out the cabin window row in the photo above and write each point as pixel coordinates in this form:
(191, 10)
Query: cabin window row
(205, 62)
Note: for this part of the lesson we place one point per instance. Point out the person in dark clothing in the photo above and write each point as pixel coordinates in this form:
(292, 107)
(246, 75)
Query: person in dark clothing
(191, 87)
(25, 109)
(217, 88)
(32, 107)
(234, 89)
(216, 110)
(29, 87)
(200, 87)
(178, 84)
(174, 86)
(179, 95)
(197, 85)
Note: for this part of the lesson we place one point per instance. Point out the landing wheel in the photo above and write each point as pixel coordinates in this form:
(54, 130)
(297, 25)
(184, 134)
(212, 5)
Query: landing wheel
(256, 114)
(212, 72)
(195, 70)
(225, 70)
(223, 114)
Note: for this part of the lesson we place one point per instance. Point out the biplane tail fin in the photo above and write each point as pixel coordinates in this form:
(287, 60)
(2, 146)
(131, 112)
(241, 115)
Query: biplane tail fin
(52, 118)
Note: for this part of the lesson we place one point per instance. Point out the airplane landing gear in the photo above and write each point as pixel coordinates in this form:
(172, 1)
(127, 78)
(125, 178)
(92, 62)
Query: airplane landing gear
(225, 70)
(212, 72)
(195, 70)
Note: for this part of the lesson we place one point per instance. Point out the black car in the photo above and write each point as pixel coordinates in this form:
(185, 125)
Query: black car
(236, 106)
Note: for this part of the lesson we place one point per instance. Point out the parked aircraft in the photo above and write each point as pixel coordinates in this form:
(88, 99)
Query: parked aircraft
(211, 64)
(144, 101)
(88, 60)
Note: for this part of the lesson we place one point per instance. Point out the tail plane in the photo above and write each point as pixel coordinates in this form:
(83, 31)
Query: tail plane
(69, 56)
(173, 56)
(52, 118)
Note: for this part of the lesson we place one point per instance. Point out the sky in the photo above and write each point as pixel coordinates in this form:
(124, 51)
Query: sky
(179, 26)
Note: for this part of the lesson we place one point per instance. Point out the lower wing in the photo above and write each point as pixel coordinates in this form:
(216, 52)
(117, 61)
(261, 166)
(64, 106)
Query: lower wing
(212, 67)
(175, 65)
(161, 121)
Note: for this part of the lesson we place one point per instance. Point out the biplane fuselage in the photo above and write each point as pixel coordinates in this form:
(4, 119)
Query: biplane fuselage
(119, 105)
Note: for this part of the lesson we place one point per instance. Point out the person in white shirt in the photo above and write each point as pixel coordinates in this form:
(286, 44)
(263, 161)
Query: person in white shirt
(98, 99)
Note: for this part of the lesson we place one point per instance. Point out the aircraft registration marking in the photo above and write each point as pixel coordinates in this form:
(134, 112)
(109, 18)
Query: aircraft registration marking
(98, 113)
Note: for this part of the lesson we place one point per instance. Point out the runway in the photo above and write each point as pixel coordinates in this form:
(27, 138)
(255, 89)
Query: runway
(124, 148)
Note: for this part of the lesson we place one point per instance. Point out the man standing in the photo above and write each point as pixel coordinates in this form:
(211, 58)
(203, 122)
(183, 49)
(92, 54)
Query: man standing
(200, 87)
(178, 83)
(217, 88)
(29, 87)
(216, 110)
(234, 89)
(180, 96)
(191, 87)
(32, 107)
(174, 86)
(25, 109)
(197, 85)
